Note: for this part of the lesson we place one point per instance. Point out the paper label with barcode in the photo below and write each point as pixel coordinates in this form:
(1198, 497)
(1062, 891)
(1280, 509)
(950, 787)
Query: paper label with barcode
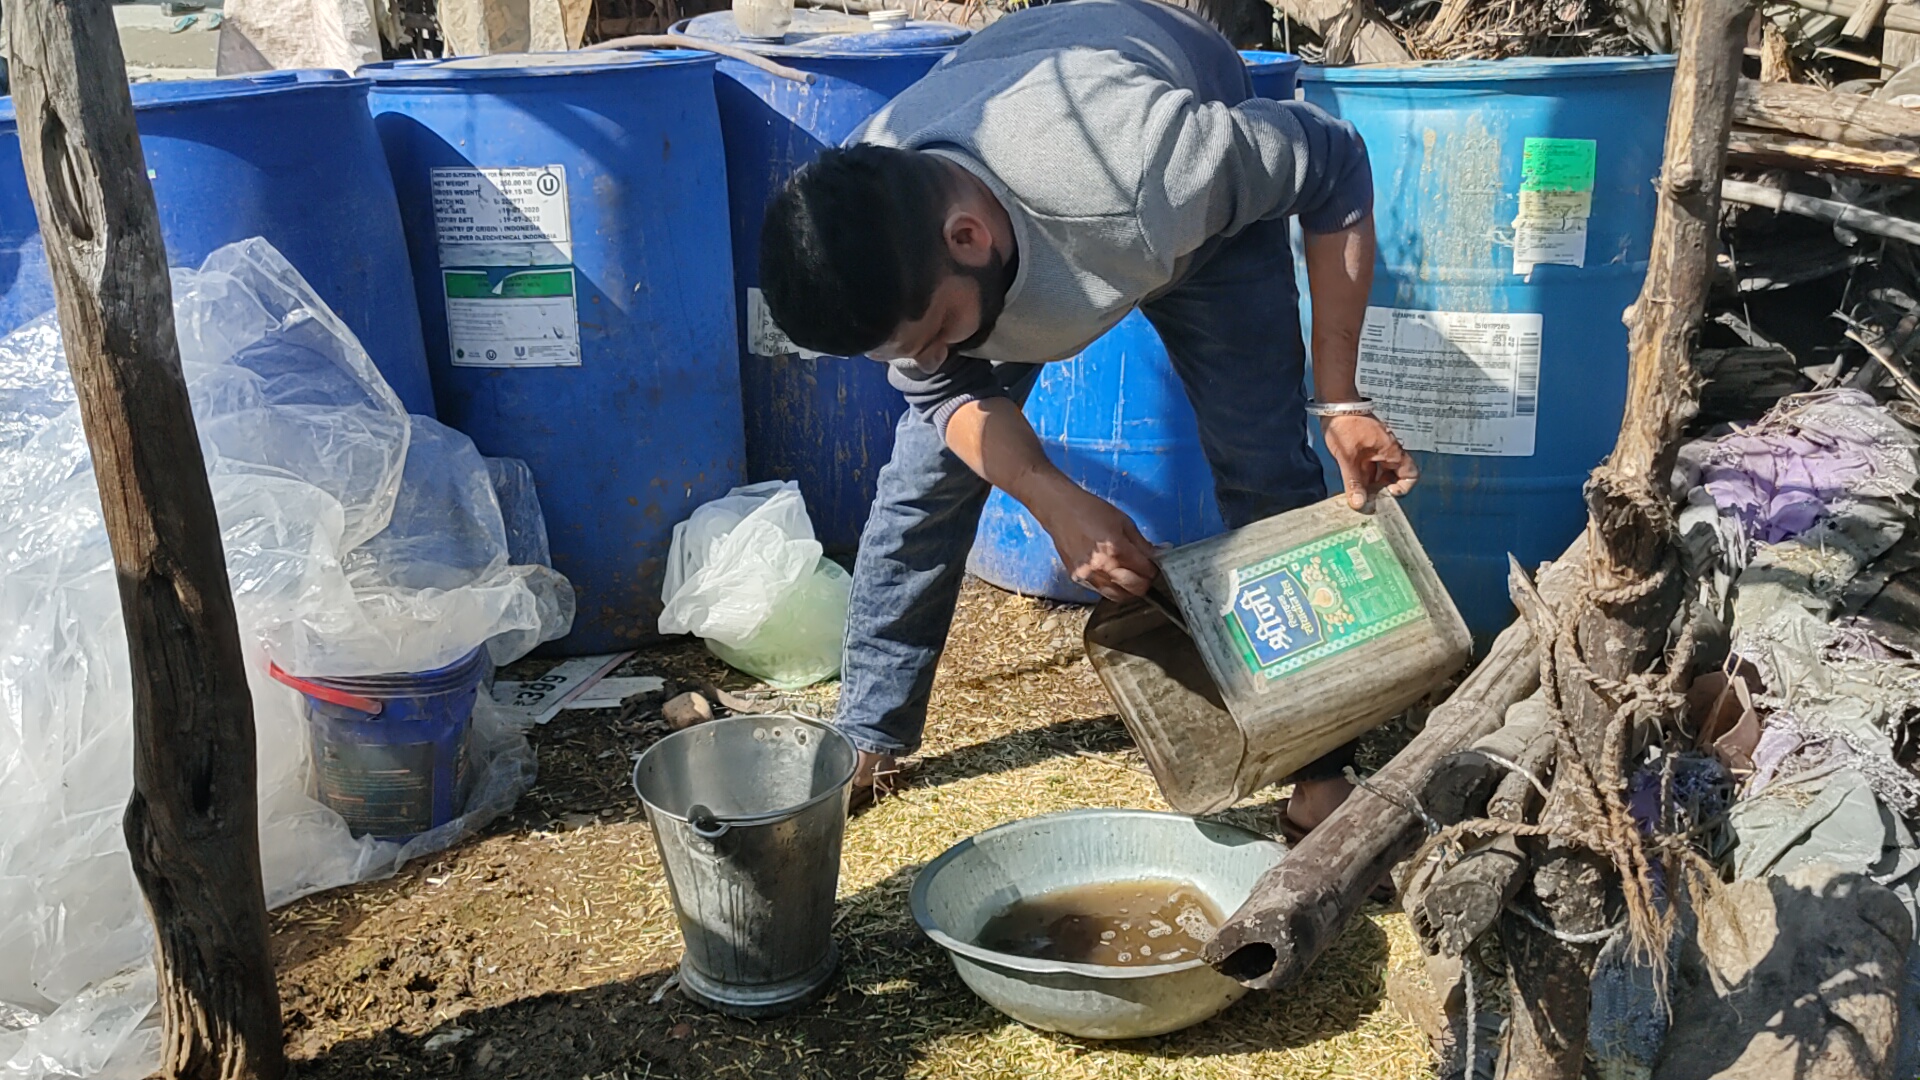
(1454, 382)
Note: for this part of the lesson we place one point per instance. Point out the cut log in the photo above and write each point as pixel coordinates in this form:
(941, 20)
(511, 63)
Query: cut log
(192, 820)
(1743, 383)
(1466, 780)
(1300, 906)
(1853, 119)
(1466, 900)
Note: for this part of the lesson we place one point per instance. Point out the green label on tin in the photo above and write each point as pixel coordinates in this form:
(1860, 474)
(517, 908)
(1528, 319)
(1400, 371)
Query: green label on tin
(1318, 600)
(1557, 165)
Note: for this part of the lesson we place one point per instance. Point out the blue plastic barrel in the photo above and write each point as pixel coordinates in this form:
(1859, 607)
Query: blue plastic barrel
(1516, 391)
(825, 421)
(288, 156)
(390, 752)
(576, 289)
(1116, 420)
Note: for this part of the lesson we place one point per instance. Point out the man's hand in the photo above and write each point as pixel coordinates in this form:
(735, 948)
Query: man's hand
(1370, 458)
(1099, 544)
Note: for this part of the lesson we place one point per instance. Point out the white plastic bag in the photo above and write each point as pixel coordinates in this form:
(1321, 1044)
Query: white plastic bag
(358, 541)
(745, 574)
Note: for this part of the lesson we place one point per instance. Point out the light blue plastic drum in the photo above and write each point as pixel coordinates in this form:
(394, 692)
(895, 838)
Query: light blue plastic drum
(1514, 205)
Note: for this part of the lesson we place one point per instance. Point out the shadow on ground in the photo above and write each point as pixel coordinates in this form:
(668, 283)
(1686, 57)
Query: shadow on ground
(895, 1001)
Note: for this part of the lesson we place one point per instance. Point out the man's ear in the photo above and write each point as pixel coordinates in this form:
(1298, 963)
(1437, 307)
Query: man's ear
(969, 241)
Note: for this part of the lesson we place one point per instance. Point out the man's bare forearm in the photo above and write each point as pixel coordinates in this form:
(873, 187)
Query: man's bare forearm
(994, 439)
(1339, 276)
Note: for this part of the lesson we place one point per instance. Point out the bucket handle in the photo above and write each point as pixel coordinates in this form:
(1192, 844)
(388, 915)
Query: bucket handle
(328, 694)
(705, 824)
(710, 826)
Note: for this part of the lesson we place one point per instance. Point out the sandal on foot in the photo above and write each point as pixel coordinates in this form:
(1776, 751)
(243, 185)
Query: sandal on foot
(876, 777)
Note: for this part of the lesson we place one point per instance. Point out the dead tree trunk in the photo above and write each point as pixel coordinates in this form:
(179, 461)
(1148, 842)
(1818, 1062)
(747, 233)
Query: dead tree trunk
(1627, 616)
(191, 823)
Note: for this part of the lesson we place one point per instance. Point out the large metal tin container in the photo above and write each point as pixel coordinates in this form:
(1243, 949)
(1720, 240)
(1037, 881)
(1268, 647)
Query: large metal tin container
(1266, 647)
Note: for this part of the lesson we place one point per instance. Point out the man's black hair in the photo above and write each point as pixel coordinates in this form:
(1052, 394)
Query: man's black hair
(853, 246)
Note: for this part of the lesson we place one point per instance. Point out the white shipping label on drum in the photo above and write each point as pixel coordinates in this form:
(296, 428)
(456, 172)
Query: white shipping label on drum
(1454, 382)
(502, 217)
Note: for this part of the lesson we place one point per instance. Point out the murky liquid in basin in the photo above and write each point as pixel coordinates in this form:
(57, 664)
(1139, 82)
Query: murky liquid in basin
(1118, 923)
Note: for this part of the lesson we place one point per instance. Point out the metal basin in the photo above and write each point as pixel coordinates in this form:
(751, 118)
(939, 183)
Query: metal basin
(978, 878)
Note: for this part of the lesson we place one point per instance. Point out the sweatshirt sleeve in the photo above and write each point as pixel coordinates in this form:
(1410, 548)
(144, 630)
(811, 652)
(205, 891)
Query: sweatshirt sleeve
(960, 380)
(1212, 169)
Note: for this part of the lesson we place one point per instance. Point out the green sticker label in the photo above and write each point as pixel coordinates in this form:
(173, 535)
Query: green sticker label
(518, 285)
(507, 317)
(1318, 600)
(1557, 165)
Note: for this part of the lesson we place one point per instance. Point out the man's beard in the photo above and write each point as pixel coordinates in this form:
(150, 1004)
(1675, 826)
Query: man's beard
(994, 279)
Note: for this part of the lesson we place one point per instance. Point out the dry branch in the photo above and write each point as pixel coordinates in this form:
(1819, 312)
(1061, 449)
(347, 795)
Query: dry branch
(1857, 218)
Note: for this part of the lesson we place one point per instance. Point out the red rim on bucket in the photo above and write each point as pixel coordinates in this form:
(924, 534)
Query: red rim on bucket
(328, 694)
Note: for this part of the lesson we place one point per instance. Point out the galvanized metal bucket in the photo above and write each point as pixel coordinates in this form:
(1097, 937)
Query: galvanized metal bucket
(748, 813)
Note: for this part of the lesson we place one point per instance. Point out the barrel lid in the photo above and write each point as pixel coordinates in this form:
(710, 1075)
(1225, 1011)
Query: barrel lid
(154, 95)
(829, 33)
(1266, 58)
(1482, 71)
(526, 65)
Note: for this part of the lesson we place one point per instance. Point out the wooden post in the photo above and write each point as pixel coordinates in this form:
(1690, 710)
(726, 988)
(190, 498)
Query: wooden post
(1626, 617)
(191, 824)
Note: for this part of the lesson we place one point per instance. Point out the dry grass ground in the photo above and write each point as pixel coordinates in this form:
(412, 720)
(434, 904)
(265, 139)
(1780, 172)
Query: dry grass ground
(534, 951)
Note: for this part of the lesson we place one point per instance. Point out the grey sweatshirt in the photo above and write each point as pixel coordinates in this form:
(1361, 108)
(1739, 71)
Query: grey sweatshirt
(1123, 140)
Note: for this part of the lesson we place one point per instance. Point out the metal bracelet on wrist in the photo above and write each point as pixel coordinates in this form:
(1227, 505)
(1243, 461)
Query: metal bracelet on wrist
(1363, 407)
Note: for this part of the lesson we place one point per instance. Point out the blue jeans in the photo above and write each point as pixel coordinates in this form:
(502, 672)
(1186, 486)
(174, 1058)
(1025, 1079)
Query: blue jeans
(1232, 330)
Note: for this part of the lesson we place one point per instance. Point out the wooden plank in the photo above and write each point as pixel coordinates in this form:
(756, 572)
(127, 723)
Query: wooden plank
(191, 823)
(1902, 17)
(1900, 48)
(1865, 19)
(1752, 148)
(1301, 905)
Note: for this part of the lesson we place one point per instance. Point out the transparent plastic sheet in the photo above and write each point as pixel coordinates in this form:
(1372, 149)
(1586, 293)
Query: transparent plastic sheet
(746, 575)
(520, 508)
(359, 541)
